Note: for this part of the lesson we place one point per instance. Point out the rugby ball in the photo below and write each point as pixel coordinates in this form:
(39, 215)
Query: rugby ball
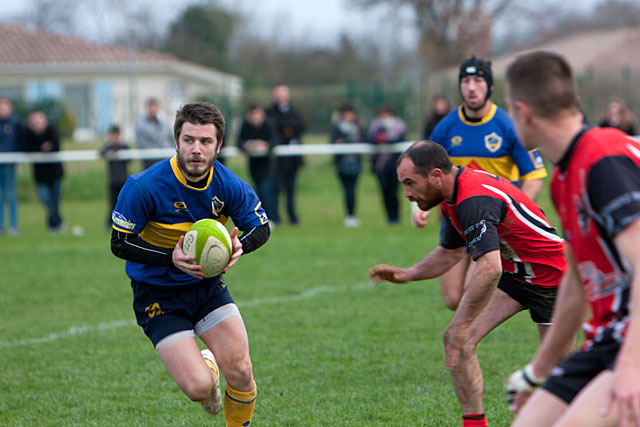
(209, 241)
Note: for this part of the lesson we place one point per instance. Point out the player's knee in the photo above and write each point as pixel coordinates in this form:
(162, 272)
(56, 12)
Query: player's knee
(198, 389)
(451, 300)
(240, 372)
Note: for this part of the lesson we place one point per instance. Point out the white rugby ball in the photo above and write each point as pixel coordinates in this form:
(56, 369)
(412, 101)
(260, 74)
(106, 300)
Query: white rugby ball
(209, 241)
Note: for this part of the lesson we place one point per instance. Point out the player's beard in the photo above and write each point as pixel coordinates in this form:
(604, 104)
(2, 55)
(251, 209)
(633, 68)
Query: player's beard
(432, 198)
(194, 173)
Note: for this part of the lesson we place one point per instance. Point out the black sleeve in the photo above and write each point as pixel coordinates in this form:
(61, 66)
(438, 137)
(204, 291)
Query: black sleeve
(130, 247)
(479, 217)
(614, 193)
(449, 236)
(254, 238)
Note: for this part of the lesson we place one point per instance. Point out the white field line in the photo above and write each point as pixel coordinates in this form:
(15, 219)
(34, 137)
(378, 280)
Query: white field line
(105, 326)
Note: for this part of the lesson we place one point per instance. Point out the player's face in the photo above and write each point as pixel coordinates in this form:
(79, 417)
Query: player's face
(418, 188)
(474, 91)
(197, 149)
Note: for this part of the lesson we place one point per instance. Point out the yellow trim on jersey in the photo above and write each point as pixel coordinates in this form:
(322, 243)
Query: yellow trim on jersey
(183, 180)
(487, 117)
(122, 230)
(536, 174)
(501, 166)
(164, 235)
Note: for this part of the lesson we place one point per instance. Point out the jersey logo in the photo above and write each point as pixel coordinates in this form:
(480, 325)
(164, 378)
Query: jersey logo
(121, 221)
(493, 142)
(536, 159)
(456, 141)
(216, 205)
(180, 206)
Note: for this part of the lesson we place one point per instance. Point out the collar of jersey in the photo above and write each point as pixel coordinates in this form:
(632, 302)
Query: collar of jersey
(487, 117)
(182, 179)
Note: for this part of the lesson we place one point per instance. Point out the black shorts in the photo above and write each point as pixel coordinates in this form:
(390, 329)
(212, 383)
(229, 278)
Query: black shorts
(165, 310)
(538, 300)
(575, 372)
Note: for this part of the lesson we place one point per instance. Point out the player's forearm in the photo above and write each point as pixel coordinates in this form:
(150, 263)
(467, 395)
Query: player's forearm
(569, 314)
(626, 242)
(531, 187)
(486, 275)
(130, 247)
(254, 238)
(435, 264)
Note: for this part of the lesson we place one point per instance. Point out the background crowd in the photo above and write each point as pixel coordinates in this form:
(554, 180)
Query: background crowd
(261, 129)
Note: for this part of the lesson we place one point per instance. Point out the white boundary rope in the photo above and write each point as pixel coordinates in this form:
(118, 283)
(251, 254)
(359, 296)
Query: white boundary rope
(163, 153)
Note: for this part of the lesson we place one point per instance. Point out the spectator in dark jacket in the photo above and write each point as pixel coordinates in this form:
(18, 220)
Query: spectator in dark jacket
(439, 108)
(117, 169)
(289, 125)
(617, 115)
(42, 137)
(256, 138)
(10, 132)
(386, 128)
(348, 130)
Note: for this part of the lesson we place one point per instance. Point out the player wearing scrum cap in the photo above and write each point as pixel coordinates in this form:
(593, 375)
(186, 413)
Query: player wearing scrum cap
(480, 135)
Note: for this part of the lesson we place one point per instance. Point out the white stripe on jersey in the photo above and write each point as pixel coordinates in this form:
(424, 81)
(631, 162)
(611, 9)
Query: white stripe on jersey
(524, 220)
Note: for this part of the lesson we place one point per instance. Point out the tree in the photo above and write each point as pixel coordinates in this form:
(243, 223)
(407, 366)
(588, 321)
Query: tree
(202, 35)
(450, 30)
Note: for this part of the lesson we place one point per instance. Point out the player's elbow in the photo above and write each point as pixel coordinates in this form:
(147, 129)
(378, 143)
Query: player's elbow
(117, 245)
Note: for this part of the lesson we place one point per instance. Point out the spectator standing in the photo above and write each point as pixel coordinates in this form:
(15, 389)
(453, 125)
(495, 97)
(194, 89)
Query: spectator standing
(289, 125)
(153, 131)
(10, 130)
(347, 130)
(439, 109)
(256, 138)
(386, 128)
(617, 115)
(117, 169)
(40, 136)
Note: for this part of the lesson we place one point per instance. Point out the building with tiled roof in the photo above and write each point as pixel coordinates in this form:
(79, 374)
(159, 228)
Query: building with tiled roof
(102, 84)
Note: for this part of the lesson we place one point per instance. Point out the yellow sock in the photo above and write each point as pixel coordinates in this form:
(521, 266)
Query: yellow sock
(238, 406)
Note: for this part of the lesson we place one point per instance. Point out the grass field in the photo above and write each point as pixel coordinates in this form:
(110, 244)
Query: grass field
(328, 348)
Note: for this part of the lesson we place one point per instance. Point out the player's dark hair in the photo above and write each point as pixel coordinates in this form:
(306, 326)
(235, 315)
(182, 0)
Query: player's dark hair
(199, 113)
(543, 80)
(427, 155)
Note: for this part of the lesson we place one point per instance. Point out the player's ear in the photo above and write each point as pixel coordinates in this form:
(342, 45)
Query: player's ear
(523, 110)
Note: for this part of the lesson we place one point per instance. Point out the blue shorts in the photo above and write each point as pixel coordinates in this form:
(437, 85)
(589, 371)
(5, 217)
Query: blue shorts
(165, 310)
(577, 370)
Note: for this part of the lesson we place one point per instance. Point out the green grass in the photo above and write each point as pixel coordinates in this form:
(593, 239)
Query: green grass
(328, 348)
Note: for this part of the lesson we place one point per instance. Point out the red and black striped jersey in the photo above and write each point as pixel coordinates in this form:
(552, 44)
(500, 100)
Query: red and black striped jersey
(489, 213)
(596, 191)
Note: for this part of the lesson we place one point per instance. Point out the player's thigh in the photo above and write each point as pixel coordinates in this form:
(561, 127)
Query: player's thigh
(453, 280)
(183, 360)
(541, 410)
(499, 308)
(585, 409)
(228, 340)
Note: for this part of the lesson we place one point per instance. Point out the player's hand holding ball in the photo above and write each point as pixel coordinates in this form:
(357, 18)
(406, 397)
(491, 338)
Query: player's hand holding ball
(207, 249)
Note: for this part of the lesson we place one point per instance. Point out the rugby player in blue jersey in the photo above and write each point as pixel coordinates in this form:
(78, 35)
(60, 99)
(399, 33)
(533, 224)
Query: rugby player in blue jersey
(172, 300)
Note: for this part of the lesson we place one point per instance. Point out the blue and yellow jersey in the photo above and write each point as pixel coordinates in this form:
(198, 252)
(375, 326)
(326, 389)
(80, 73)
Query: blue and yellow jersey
(490, 144)
(159, 205)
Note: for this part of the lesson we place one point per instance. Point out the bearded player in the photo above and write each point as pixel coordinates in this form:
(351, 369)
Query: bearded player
(172, 300)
